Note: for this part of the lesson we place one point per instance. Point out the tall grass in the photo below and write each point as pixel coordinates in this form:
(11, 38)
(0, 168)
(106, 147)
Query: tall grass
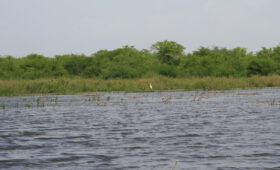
(159, 83)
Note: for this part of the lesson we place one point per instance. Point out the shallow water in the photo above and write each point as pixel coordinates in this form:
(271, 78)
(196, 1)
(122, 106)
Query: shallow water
(237, 129)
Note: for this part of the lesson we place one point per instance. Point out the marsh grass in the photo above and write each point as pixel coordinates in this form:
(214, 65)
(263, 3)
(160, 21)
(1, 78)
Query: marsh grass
(160, 83)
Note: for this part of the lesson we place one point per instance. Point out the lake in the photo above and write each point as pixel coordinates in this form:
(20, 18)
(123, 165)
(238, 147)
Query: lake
(225, 130)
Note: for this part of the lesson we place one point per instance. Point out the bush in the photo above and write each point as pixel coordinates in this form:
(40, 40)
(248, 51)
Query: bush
(261, 66)
(165, 58)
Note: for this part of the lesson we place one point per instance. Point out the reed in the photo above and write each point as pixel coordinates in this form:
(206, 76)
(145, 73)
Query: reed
(160, 83)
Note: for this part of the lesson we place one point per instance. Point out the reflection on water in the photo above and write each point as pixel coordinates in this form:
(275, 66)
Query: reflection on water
(202, 130)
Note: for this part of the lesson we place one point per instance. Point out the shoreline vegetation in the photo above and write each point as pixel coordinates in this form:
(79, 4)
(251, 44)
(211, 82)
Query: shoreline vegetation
(159, 83)
(165, 65)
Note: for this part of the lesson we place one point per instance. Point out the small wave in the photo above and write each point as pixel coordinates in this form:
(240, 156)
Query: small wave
(104, 157)
(30, 133)
(5, 164)
(49, 138)
(21, 147)
(64, 159)
(276, 144)
(262, 155)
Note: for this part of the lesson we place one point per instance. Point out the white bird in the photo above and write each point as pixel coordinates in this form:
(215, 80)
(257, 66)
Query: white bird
(151, 87)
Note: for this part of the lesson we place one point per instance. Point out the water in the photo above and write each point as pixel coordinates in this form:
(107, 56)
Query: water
(237, 129)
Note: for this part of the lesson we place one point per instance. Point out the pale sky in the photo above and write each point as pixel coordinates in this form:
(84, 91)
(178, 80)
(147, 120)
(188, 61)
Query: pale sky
(51, 27)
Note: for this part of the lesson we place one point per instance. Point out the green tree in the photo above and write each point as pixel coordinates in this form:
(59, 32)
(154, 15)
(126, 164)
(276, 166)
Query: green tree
(126, 62)
(33, 66)
(261, 66)
(73, 64)
(168, 52)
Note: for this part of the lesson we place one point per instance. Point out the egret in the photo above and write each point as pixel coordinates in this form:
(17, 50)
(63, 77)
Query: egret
(151, 87)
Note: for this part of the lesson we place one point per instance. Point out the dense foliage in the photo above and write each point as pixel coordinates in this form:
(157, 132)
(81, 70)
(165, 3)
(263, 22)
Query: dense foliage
(165, 58)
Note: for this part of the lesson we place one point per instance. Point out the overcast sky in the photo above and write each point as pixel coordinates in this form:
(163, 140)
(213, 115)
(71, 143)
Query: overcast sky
(51, 27)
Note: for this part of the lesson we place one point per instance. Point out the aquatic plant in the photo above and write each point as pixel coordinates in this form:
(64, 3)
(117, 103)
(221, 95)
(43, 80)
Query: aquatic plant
(40, 102)
(28, 105)
(174, 166)
(166, 99)
(272, 102)
(108, 98)
(3, 106)
(199, 95)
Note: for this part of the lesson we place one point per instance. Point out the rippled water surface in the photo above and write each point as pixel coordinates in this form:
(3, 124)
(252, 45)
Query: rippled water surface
(237, 129)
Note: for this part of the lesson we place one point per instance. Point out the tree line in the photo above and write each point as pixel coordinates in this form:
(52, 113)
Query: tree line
(166, 58)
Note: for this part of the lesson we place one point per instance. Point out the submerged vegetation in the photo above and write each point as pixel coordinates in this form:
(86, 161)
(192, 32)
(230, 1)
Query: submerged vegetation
(165, 65)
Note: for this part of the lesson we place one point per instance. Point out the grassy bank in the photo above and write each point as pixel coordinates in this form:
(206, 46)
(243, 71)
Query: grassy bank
(159, 83)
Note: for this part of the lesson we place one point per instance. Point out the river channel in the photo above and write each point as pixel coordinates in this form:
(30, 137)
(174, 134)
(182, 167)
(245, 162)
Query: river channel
(225, 130)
